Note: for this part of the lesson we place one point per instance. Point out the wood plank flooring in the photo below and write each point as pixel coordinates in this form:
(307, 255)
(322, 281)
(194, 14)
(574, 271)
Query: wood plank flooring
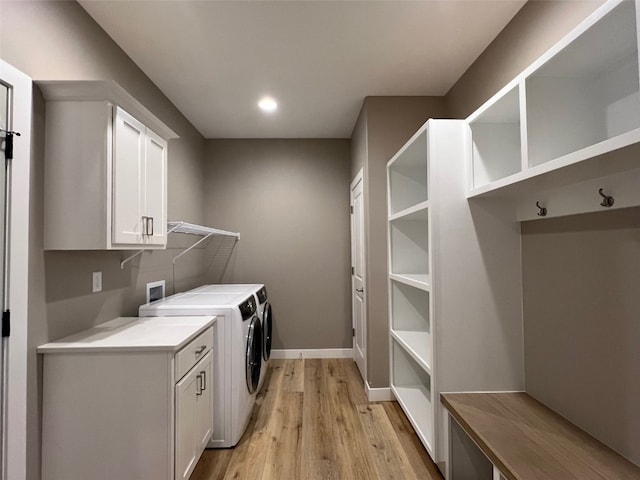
(312, 421)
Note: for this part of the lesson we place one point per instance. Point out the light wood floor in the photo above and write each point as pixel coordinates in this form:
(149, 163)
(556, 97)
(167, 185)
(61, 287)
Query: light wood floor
(312, 421)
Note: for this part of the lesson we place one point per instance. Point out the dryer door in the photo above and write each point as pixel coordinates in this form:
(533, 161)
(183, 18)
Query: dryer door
(254, 354)
(267, 322)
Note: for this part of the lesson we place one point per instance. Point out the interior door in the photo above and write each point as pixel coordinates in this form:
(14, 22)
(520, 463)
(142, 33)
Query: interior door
(358, 275)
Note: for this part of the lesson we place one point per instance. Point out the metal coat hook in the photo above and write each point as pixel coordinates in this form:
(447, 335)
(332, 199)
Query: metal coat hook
(607, 200)
(542, 212)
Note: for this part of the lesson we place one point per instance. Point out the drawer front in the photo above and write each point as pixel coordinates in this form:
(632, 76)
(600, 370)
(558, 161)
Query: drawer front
(193, 352)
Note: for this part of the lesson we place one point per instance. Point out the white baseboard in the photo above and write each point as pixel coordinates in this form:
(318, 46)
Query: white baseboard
(313, 353)
(378, 394)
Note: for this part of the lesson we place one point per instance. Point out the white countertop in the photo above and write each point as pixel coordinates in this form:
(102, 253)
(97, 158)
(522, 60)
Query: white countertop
(133, 334)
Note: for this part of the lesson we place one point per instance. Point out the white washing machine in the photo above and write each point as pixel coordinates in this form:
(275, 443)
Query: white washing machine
(237, 355)
(265, 313)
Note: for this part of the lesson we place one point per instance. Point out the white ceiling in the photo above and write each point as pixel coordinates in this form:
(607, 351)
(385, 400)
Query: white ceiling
(319, 59)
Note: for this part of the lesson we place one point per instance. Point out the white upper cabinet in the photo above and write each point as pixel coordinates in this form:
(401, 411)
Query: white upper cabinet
(572, 107)
(105, 169)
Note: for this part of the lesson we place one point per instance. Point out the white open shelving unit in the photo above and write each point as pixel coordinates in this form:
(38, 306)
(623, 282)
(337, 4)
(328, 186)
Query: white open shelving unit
(575, 105)
(445, 332)
(411, 342)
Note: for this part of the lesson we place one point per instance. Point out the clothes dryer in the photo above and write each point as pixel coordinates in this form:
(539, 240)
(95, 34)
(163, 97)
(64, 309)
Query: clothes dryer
(237, 355)
(264, 309)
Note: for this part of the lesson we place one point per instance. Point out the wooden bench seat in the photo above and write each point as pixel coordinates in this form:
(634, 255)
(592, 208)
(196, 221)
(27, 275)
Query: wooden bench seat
(525, 440)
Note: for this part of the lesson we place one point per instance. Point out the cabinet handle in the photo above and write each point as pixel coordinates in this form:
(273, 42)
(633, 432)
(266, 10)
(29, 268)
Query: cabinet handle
(145, 225)
(201, 349)
(204, 380)
(199, 385)
(151, 218)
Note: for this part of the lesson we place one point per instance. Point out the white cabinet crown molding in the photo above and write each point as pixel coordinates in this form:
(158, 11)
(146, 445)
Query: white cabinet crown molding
(100, 90)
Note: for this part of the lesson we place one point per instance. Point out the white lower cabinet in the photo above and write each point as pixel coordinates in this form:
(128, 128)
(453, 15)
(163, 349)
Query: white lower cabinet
(126, 413)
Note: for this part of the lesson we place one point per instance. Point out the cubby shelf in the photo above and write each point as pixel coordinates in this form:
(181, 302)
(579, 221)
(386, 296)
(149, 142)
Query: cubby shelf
(416, 401)
(579, 101)
(417, 344)
(419, 211)
(416, 280)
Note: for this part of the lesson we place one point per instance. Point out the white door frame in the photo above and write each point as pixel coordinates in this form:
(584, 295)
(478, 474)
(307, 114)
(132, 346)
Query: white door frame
(14, 454)
(362, 365)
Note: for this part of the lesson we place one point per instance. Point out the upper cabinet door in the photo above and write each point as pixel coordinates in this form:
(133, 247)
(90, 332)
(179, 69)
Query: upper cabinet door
(155, 196)
(128, 225)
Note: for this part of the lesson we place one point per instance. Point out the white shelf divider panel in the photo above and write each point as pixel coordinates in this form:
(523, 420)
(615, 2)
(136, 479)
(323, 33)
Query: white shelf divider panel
(411, 385)
(407, 175)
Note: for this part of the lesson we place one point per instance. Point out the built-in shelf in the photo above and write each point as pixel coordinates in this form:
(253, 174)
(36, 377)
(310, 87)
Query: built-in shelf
(409, 243)
(411, 385)
(579, 101)
(407, 175)
(419, 211)
(416, 280)
(496, 138)
(417, 344)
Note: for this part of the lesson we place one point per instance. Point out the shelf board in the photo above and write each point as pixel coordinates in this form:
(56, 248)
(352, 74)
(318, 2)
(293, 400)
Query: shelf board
(193, 229)
(421, 281)
(415, 212)
(601, 148)
(417, 344)
(416, 403)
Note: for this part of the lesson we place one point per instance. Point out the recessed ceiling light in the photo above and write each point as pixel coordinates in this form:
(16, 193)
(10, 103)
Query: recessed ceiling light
(268, 104)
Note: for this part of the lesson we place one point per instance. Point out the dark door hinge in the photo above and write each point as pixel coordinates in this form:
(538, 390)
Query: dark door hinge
(351, 208)
(353, 270)
(353, 332)
(8, 143)
(6, 323)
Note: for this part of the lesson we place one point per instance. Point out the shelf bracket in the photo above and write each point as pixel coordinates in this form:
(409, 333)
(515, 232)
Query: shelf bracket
(192, 247)
(129, 258)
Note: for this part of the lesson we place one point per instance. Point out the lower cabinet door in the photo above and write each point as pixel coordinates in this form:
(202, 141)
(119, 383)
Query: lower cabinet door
(204, 404)
(187, 391)
(194, 416)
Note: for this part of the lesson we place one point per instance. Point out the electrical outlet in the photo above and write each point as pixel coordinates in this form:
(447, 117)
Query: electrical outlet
(96, 284)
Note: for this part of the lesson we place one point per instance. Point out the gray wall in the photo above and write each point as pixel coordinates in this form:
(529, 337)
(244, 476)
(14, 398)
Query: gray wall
(58, 41)
(289, 199)
(384, 125)
(533, 30)
(581, 277)
(580, 273)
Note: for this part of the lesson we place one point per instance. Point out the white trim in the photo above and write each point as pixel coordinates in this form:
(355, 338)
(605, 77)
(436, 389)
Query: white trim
(16, 447)
(378, 394)
(313, 353)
